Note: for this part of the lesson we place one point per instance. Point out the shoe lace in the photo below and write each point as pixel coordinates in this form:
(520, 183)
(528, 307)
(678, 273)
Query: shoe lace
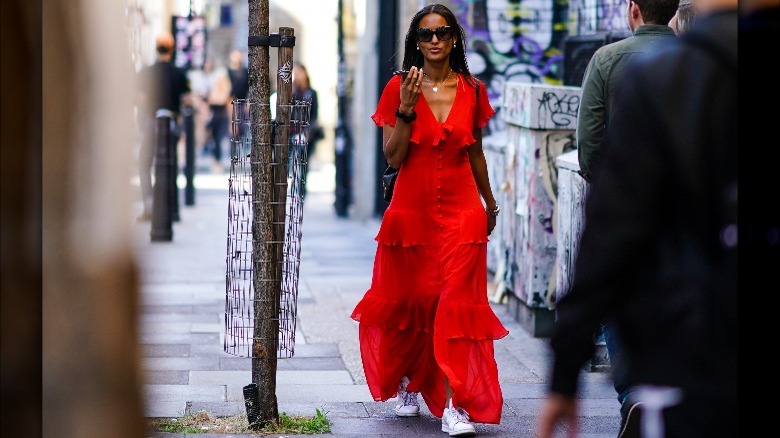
(460, 415)
(410, 399)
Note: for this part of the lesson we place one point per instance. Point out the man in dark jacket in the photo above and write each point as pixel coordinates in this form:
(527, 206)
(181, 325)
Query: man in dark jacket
(161, 85)
(647, 20)
(657, 255)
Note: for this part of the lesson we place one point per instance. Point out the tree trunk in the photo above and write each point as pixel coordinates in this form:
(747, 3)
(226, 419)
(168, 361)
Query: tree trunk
(263, 251)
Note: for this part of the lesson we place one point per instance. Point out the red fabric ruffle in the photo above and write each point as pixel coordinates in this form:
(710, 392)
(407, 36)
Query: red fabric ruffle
(377, 311)
(474, 322)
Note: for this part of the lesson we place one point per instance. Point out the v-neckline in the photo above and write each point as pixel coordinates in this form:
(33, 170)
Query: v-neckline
(447, 117)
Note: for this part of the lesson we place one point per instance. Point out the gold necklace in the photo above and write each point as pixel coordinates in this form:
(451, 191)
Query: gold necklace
(435, 87)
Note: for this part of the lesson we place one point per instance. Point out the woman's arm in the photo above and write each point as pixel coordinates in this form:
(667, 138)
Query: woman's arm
(395, 140)
(479, 170)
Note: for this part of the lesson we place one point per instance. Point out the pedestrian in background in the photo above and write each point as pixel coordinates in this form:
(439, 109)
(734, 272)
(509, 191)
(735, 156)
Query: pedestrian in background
(239, 75)
(647, 20)
(657, 255)
(425, 324)
(200, 83)
(219, 124)
(684, 17)
(302, 91)
(162, 85)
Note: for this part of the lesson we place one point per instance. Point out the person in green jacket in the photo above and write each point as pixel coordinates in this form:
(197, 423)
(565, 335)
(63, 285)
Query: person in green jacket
(648, 21)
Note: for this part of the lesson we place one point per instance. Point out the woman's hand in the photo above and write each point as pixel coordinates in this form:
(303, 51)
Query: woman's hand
(491, 223)
(411, 87)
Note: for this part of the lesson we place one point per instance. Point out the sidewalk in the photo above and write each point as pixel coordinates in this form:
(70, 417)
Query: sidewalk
(182, 328)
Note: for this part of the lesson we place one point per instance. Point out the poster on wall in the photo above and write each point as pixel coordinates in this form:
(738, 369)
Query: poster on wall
(189, 34)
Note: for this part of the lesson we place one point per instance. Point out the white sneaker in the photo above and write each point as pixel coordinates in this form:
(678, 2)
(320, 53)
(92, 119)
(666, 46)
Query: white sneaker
(407, 406)
(455, 421)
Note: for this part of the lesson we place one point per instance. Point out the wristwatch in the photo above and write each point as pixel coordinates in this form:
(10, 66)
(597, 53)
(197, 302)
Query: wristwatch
(494, 212)
(408, 118)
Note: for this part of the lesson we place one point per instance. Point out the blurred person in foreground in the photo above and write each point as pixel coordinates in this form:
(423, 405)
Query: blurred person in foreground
(162, 85)
(658, 254)
(647, 20)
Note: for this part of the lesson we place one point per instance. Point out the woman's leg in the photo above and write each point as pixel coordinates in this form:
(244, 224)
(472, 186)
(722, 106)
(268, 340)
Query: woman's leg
(447, 392)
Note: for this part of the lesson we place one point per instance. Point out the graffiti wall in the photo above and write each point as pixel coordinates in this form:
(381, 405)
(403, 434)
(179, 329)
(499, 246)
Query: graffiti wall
(523, 40)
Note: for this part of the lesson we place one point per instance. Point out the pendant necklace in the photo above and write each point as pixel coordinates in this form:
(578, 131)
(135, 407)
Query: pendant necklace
(435, 87)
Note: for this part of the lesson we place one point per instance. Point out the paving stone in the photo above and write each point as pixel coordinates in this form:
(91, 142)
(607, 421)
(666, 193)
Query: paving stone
(311, 364)
(165, 350)
(329, 409)
(217, 409)
(207, 328)
(165, 327)
(180, 338)
(317, 350)
(187, 393)
(178, 363)
(164, 408)
(166, 377)
(215, 349)
(310, 378)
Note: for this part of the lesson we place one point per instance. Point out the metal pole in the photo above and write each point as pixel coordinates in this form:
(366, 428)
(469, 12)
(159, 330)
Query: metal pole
(282, 154)
(174, 173)
(189, 169)
(342, 139)
(162, 220)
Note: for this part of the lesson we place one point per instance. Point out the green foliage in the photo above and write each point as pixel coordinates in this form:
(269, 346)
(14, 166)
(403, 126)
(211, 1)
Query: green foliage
(202, 422)
(303, 425)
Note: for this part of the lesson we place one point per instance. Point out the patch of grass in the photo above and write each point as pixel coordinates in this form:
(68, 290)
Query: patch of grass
(303, 425)
(202, 422)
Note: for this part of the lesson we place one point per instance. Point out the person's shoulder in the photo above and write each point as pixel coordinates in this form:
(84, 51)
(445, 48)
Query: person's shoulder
(604, 55)
(394, 83)
(713, 36)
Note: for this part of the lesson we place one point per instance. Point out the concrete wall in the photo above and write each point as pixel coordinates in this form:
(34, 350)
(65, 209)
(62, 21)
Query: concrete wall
(572, 192)
(364, 100)
(541, 120)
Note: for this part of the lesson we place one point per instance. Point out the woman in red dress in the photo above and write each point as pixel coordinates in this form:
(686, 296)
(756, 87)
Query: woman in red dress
(425, 324)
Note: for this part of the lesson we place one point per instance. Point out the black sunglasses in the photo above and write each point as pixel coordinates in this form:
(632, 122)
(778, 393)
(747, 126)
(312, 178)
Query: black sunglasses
(443, 33)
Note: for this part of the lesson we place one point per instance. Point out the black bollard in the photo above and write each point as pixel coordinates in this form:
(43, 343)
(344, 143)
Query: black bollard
(343, 150)
(189, 169)
(174, 174)
(162, 219)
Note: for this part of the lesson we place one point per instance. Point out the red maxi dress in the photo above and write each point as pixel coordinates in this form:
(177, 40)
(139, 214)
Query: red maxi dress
(426, 314)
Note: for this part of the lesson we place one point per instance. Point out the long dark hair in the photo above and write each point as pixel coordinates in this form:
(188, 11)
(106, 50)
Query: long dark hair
(413, 57)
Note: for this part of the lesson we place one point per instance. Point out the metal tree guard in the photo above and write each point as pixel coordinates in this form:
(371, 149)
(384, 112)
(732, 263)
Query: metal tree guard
(240, 297)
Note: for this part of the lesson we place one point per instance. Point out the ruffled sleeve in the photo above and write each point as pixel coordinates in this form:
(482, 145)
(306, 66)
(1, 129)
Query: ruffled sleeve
(388, 103)
(483, 109)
